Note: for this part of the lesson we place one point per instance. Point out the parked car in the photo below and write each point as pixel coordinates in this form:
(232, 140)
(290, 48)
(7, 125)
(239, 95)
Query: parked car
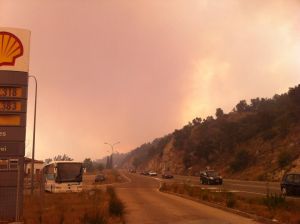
(290, 184)
(152, 173)
(99, 178)
(167, 175)
(210, 177)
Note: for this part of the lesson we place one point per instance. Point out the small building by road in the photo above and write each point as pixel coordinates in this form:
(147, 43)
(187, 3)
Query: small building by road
(38, 166)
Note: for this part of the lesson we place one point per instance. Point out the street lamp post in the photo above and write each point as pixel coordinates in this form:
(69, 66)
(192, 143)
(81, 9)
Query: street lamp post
(33, 138)
(112, 151)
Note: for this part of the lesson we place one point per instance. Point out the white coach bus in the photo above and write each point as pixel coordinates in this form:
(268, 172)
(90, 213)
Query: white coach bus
(63, 176)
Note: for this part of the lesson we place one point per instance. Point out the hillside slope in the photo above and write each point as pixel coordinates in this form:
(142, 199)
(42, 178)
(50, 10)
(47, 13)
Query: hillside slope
(256, 141)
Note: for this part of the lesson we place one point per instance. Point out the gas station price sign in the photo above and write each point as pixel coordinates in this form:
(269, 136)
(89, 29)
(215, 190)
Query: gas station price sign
(14, 67)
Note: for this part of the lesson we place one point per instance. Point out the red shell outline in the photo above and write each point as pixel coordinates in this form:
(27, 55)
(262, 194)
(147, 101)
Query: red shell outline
(21, 46)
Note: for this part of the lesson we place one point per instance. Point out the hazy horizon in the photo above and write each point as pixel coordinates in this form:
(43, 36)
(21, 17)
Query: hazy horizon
(132, 71)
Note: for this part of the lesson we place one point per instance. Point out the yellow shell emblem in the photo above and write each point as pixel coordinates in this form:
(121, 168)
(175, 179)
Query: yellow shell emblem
(10, 48)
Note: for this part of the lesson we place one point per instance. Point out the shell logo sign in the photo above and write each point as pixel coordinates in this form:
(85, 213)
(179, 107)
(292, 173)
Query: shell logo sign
(11, 48)
(14, 49)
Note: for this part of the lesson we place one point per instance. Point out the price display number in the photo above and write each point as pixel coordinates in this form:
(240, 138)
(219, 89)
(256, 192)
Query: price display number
(10, 92)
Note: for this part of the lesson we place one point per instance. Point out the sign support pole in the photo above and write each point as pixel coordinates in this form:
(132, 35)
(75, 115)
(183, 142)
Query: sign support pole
(33, 140)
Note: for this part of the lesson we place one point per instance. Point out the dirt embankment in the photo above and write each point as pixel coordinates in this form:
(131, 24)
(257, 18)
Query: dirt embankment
(263, 159)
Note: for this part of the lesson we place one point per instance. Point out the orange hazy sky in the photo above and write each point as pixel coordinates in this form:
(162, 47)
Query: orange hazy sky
(134, 70)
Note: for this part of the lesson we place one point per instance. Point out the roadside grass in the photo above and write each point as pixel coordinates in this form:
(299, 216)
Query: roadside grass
(271, 206)
(88, 207)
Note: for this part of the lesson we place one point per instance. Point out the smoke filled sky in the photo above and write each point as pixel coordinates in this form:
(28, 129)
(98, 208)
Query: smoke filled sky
(131, 71)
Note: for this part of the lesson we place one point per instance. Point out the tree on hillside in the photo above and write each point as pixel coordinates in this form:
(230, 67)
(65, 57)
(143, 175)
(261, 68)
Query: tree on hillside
(242, 106)
(294, 94)
(255, 103)
(241, 160)
(219, 113)
(197, 121)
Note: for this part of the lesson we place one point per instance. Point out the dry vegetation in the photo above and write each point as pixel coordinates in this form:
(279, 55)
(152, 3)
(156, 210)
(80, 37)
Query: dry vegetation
(111, 177)
(89, 207)
(271, 206)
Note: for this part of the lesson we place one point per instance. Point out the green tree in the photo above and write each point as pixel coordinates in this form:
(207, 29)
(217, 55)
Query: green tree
(242, 106)
(99, 166)
(284, 159)
(219, 113)
(241, 161)
(63, 157)
(88, 164)
(48, 160)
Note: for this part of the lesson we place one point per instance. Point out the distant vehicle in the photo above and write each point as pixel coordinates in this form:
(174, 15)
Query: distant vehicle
(146, 173)
(210, 177)
(167, 175)
(99, 178)
(152, 173)
(63, 176)
(290, 184)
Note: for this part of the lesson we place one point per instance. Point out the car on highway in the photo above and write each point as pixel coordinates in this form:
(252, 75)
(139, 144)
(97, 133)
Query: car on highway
(210, 177)
(167, 175)
(290, 184)
(145, 173)
(152, 173)
(99, 178)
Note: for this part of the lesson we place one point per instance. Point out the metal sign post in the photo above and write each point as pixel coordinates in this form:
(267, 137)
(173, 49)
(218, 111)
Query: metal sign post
(14, 58)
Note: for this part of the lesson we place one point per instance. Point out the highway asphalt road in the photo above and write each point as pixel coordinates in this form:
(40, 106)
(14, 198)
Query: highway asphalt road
(236, 186)
(146, 205)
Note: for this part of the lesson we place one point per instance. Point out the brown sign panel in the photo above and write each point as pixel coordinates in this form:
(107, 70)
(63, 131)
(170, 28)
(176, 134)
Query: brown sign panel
(8, 199)
(13, 78)
(12, 134)
(11, 199)
(18, 120)
(12, 149)
(8, 179)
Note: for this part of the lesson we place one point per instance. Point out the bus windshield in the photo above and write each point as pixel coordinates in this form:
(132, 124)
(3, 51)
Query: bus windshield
(69, 172)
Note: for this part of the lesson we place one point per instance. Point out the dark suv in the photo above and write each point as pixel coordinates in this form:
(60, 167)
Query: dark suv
(210, 177)
(167, 175)
(290, 184)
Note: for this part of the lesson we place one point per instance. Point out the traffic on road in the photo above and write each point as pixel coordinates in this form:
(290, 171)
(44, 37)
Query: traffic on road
(290, 185)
